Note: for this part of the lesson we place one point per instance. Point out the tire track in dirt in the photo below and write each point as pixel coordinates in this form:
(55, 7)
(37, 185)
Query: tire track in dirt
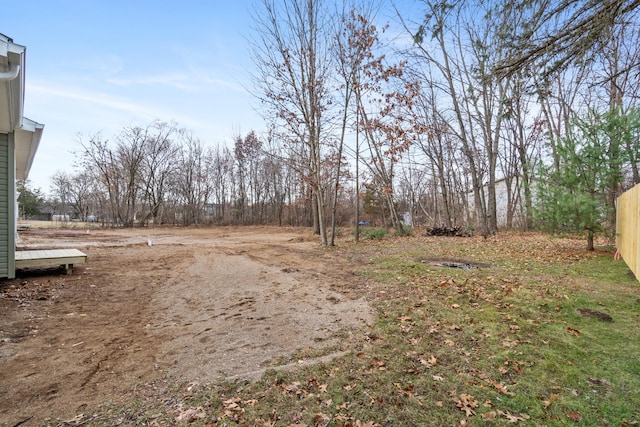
(245, 316)
(196, 305)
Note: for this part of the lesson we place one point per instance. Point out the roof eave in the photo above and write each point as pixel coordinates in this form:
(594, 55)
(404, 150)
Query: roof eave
(12, 57)
(27, 140)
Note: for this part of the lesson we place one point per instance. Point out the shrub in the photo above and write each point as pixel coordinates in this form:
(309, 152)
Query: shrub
(406, 231)
(375, 234)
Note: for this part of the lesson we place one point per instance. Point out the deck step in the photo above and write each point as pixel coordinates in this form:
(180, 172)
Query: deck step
(50, 258)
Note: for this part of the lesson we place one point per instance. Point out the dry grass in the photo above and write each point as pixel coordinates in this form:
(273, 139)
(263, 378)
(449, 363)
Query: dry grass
(503, 344)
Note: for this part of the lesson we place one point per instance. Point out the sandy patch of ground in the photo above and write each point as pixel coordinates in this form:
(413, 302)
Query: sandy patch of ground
(189, 304)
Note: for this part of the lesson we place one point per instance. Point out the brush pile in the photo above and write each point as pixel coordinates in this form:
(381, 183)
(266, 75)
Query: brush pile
(447, 231)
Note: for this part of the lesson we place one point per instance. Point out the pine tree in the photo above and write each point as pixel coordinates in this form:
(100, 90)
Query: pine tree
(573, 197)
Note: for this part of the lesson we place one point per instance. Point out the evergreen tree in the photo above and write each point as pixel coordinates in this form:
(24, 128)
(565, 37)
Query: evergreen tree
(573, 197)
(29, 200)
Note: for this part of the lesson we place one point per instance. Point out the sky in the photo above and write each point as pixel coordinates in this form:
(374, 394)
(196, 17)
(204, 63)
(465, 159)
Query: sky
(99, 66)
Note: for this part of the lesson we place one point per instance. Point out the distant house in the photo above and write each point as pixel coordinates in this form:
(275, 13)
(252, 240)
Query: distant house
(19, 140)
(510, 202)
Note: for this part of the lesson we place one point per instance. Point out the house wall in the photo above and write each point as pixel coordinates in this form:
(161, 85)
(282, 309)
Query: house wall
(502, 199)
(5, 202)
(502, 205)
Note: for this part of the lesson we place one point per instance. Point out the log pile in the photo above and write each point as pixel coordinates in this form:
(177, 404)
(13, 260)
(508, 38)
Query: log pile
(447, 231)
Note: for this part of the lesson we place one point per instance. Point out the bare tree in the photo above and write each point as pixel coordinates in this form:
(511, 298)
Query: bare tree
(248, 156)
(552, 36)
(74, 190)
(61, 191)
(158, 164)
(221, 177)
(292, 59)
(445, 53)
(273, 174)
(131, 150)
(348, 61)
(241, 196)
(103, 161)
(434, 142)
(384, 97)
(191, 183)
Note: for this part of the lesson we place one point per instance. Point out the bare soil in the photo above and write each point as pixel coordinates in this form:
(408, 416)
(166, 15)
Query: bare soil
(201, 304)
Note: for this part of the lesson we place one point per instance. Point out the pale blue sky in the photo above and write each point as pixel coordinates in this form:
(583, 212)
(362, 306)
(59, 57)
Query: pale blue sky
(97, 66)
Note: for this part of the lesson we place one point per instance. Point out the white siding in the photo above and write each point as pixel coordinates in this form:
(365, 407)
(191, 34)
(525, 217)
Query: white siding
(502, 203)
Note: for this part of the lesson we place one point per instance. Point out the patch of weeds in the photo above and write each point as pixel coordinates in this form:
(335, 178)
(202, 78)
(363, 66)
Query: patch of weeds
(406, 231)
(375, 234)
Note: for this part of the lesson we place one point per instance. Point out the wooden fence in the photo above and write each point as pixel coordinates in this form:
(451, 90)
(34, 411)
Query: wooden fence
(628, 228)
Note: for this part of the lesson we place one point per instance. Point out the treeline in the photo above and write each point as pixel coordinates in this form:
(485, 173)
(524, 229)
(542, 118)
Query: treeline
(475, 114)
(163, 174)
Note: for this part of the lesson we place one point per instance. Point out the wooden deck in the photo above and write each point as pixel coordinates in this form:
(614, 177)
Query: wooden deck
(50, 258)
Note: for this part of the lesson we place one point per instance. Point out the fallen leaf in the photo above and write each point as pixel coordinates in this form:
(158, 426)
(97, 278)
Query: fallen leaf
(407, 391)
(573, 332)
(501, 388)
(415, 341)
(600, 382)
(295, 388)
(75, 420)
(509, 343)
(192, 414)
(438, 378)
(466, 403)
(574, 416)
(359, 423)
(514, 418)
(376, 363)
(489, 416)
(550, 400)
(321, 419)
(232, 403)
(429, 362)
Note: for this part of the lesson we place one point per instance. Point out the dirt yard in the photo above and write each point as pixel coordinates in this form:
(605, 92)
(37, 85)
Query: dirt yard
(186, 304)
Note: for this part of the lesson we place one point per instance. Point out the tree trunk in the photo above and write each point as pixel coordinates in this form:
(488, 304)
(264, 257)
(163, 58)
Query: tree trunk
(590, 240)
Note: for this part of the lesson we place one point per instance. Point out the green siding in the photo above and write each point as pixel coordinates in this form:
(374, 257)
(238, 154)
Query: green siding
(5, 209)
